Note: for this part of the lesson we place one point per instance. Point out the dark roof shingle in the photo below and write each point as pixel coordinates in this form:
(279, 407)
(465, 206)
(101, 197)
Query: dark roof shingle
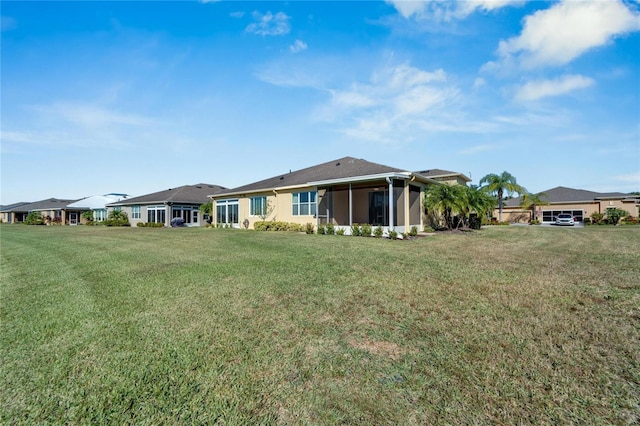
(187, 194)
(337, 169)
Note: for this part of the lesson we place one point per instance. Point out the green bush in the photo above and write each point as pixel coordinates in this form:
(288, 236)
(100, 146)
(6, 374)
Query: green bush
(414, 231)
(340, 231)
(393, 235)
(597, 218)
(150, 225)
(331, 230)
(356, 231)
(277, 226)
(34, 218)
(614, 215)
(322, 230)
(365, 230)
(378, 232)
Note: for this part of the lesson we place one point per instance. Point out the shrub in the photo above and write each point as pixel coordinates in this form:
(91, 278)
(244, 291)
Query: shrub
(277, 226)
(56, 220)
(535, 222)
(309, 228)
(331, 230)
(150, 225)
(414, 231)
(393, 235)
(34, 218)
(378, 232)
(597, 218)
(356, 231)
(614, 215)
(428, 229)
(405, 236)
(365, 230)
(322, 230)
(88, 216)
(630, 220)
(340, 231)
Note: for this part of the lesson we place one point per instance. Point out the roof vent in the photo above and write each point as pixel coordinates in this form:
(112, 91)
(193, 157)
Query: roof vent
(338, 163)
(281, 177)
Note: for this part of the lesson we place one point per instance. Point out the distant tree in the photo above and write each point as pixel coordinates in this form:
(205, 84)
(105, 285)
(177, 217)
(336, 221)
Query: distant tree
(499, 184)
(530, 201)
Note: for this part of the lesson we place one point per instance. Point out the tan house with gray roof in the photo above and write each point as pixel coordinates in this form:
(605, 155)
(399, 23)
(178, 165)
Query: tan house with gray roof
(342, 192)
(577, 202)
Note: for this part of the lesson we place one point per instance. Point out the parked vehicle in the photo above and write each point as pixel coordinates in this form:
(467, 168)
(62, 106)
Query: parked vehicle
(565, 219)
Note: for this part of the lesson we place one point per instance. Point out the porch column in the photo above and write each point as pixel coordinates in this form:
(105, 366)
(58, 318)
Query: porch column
(167, 215)
(390, 204)
(407, 204)
(350, 205)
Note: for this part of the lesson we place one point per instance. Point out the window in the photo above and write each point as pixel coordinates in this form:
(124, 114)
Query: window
(304, 203)
(135, 212)
(258, 206)
(100, 215)
(156, 214)
(189, 214)
(227, 212)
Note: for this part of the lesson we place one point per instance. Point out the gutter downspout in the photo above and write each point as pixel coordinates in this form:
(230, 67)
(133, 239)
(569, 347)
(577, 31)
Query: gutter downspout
(350, 205)
(390, 182)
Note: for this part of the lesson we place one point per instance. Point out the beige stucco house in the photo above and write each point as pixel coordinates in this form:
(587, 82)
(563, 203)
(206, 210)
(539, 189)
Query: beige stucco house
(578, 202)
(342, 192)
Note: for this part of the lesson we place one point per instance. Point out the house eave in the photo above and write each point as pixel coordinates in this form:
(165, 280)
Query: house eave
(366, 178)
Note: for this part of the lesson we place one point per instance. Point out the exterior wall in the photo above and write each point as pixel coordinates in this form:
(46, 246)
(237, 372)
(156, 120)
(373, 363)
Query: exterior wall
(512, 214)
(408, 204)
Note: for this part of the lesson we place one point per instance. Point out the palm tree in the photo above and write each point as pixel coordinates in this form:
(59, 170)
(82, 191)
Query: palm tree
(446, 200)
(530, 201)
(475, 200)
(498, 184)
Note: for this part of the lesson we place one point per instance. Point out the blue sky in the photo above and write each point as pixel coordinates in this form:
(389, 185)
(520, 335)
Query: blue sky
(138, 97)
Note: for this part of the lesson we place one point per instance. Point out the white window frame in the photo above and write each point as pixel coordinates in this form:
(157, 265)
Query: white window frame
(311, 204)
(258, 203)
(136, 212)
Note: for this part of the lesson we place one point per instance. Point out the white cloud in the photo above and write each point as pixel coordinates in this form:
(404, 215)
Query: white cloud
(269, 24)
(629, 178)
(88, 115)
(534, 90)
(446, 10)
(298, 46)
(398, 103)
(409, 8)
(557, 35)
(238, 14)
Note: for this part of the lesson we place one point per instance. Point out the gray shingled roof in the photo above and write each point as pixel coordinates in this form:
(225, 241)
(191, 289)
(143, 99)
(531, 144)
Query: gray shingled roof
(563, 194)
(48, 204)
(15, 207)
(187, 194)
(338, 169)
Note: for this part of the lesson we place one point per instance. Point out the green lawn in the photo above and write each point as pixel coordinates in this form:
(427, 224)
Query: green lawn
(506, 325)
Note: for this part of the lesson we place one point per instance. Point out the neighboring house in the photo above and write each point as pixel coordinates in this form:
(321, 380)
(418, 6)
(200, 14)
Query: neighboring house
(97, 204)
(160, 207)
(13, 213)
(53, 210)
(577, 202)
(341, 192)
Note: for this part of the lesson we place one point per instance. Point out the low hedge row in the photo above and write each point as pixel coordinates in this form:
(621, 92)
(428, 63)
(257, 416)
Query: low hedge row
(278, 226)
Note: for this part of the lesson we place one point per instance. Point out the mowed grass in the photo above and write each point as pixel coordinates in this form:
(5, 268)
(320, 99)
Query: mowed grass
(508, 325)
